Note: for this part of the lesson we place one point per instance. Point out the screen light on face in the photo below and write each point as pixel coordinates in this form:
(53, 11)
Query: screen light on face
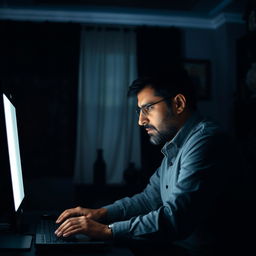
(14, 152)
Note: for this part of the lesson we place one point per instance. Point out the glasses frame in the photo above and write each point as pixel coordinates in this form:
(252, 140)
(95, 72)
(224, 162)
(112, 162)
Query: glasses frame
(145, 109)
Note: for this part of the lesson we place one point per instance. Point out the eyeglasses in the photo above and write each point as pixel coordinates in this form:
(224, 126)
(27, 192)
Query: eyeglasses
(147, 108)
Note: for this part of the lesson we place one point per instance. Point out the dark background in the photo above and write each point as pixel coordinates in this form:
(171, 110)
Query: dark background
(39, 66)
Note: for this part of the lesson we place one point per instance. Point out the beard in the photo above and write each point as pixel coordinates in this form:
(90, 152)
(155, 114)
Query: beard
(161, 137)
(165, 134)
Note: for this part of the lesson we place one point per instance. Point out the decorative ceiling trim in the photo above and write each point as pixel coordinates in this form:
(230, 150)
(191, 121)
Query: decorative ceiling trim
(220, 7)
(108, 17)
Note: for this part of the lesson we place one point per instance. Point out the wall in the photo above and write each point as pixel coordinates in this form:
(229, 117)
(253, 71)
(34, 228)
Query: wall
(218, 46)
(39, 67)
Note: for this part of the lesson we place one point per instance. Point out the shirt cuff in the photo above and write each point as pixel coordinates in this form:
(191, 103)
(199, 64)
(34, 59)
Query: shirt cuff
(120, 229)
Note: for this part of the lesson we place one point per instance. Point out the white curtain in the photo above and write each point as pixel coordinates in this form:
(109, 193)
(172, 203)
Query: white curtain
(106, 116)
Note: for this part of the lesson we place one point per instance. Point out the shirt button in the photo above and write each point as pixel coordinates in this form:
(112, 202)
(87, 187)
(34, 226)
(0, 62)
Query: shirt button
(166, 186)
(170, 163)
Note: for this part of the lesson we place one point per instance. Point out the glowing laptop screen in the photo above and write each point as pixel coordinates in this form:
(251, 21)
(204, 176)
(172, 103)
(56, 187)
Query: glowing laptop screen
(14, 152)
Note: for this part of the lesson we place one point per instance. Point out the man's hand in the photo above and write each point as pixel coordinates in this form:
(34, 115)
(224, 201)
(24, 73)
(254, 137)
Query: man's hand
(84, 225)
(94, 214)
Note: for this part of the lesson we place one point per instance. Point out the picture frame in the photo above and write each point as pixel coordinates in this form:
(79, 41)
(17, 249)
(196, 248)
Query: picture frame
(199, 71)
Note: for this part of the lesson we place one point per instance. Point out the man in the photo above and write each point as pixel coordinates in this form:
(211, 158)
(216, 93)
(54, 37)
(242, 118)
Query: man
(183, 202)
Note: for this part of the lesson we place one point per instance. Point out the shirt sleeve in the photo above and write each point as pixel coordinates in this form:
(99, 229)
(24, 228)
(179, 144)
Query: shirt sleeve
(139, 204)
(194, 190)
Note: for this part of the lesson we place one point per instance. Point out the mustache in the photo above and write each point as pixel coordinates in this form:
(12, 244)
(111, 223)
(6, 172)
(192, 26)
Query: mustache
(147, 126)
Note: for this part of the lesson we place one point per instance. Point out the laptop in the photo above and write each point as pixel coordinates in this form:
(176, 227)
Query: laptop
(12, 193)
(46, 239)
(10, 162)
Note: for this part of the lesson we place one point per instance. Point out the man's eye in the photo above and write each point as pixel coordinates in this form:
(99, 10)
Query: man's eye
(148, 108)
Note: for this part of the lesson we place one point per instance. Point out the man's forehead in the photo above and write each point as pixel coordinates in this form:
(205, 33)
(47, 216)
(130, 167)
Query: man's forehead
(147, 91)
(147, 95)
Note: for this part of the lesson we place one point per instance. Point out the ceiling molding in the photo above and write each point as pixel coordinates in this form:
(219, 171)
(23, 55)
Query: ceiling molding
(220, 7)
(108, 17)
(228, 18)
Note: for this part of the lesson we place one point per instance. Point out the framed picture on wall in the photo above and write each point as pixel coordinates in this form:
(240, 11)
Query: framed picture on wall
(200, 71)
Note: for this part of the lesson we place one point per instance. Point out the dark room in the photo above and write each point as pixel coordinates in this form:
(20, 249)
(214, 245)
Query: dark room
(177, 177)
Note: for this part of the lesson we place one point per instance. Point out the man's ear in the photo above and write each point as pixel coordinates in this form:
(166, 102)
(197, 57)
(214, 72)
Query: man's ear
(179, 103)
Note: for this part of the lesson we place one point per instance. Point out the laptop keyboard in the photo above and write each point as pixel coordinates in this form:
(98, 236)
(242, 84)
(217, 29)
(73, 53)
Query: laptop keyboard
(45, 235)
(46, 239)
(45, 232)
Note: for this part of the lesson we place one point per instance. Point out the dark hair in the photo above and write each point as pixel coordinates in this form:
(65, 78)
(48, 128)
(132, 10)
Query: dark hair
(167, 84)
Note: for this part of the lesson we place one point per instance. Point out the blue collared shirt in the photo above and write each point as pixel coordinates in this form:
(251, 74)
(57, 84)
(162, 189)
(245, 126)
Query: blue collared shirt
(181, 194)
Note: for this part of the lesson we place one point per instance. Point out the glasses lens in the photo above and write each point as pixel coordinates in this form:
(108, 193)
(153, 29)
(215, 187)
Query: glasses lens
(138, 111)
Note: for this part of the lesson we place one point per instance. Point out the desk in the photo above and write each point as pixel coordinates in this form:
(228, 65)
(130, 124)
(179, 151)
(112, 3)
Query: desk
(114, 251)
(29, 227)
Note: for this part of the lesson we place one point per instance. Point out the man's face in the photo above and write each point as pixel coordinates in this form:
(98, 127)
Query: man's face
(157, 119)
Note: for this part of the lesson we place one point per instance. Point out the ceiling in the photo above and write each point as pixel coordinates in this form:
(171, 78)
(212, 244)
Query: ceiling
(193, 13)
(190, 7)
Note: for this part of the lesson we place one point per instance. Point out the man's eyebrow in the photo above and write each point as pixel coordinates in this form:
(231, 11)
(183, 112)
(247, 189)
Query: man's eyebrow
(145, 105)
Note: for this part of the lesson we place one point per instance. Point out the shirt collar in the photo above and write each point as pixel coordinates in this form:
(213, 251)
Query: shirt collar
(172, 147)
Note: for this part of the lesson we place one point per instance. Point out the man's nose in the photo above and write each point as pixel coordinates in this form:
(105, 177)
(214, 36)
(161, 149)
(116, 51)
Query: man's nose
(142, 119)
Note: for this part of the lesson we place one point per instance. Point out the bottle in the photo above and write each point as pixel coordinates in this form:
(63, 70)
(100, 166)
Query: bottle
(99, 169)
